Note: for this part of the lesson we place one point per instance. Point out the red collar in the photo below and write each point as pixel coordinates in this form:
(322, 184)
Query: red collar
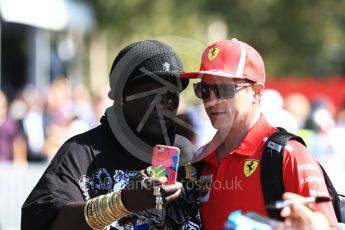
(248, 146)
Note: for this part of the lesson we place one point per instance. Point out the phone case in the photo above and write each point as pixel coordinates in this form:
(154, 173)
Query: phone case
(165, 162)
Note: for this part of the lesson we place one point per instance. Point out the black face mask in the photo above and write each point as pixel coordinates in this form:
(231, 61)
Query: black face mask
(150, 109)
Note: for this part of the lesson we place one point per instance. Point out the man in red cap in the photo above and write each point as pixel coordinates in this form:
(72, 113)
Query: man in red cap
(232, 81)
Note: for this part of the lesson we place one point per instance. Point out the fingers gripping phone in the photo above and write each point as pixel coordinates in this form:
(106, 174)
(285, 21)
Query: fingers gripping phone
(165, 162)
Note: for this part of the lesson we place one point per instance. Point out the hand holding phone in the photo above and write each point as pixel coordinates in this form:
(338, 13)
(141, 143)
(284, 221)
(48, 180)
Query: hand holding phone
(165, 161)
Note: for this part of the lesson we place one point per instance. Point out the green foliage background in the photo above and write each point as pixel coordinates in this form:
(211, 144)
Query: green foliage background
(295, 37)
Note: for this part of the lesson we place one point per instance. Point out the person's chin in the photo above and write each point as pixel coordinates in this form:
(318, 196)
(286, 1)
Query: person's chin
(221, 125)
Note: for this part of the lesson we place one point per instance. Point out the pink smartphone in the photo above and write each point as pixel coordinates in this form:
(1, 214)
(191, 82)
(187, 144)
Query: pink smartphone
(165, 162)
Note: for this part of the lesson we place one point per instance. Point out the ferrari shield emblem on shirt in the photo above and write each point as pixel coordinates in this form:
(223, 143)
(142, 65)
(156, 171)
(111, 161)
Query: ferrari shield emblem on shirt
(250, 166)
(212, 53)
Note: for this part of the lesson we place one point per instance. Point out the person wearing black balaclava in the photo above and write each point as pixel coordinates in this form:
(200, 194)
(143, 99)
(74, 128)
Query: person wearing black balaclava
(99, 179)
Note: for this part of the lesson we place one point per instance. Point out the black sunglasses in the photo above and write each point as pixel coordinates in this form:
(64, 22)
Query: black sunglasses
(222, 91)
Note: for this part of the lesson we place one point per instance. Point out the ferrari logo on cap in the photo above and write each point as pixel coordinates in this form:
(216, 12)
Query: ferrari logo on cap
(249, 166)
(213, 53)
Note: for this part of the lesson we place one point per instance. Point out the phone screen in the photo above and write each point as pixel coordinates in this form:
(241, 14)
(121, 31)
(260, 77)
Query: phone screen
(165, 162)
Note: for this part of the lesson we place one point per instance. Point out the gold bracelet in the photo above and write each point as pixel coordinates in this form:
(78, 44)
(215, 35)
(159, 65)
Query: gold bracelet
(101, 211)
(121, 206)
(86, 213)
(117, 207)
(106, 209)
(114, 206)
(109, 195)
(110, 210)
(89, 217)
(96, 218)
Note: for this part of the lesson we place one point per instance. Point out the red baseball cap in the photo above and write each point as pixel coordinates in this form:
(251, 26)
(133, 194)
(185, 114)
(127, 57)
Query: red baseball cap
(230, 58)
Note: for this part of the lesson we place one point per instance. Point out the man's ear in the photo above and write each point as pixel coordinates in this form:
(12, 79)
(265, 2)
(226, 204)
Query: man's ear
(258, 89)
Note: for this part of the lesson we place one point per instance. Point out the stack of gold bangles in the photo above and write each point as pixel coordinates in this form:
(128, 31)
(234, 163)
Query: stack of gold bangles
(103, 210)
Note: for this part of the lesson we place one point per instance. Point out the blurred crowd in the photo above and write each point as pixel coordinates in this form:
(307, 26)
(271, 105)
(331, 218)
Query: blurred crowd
(318, 121)
(36, 123)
